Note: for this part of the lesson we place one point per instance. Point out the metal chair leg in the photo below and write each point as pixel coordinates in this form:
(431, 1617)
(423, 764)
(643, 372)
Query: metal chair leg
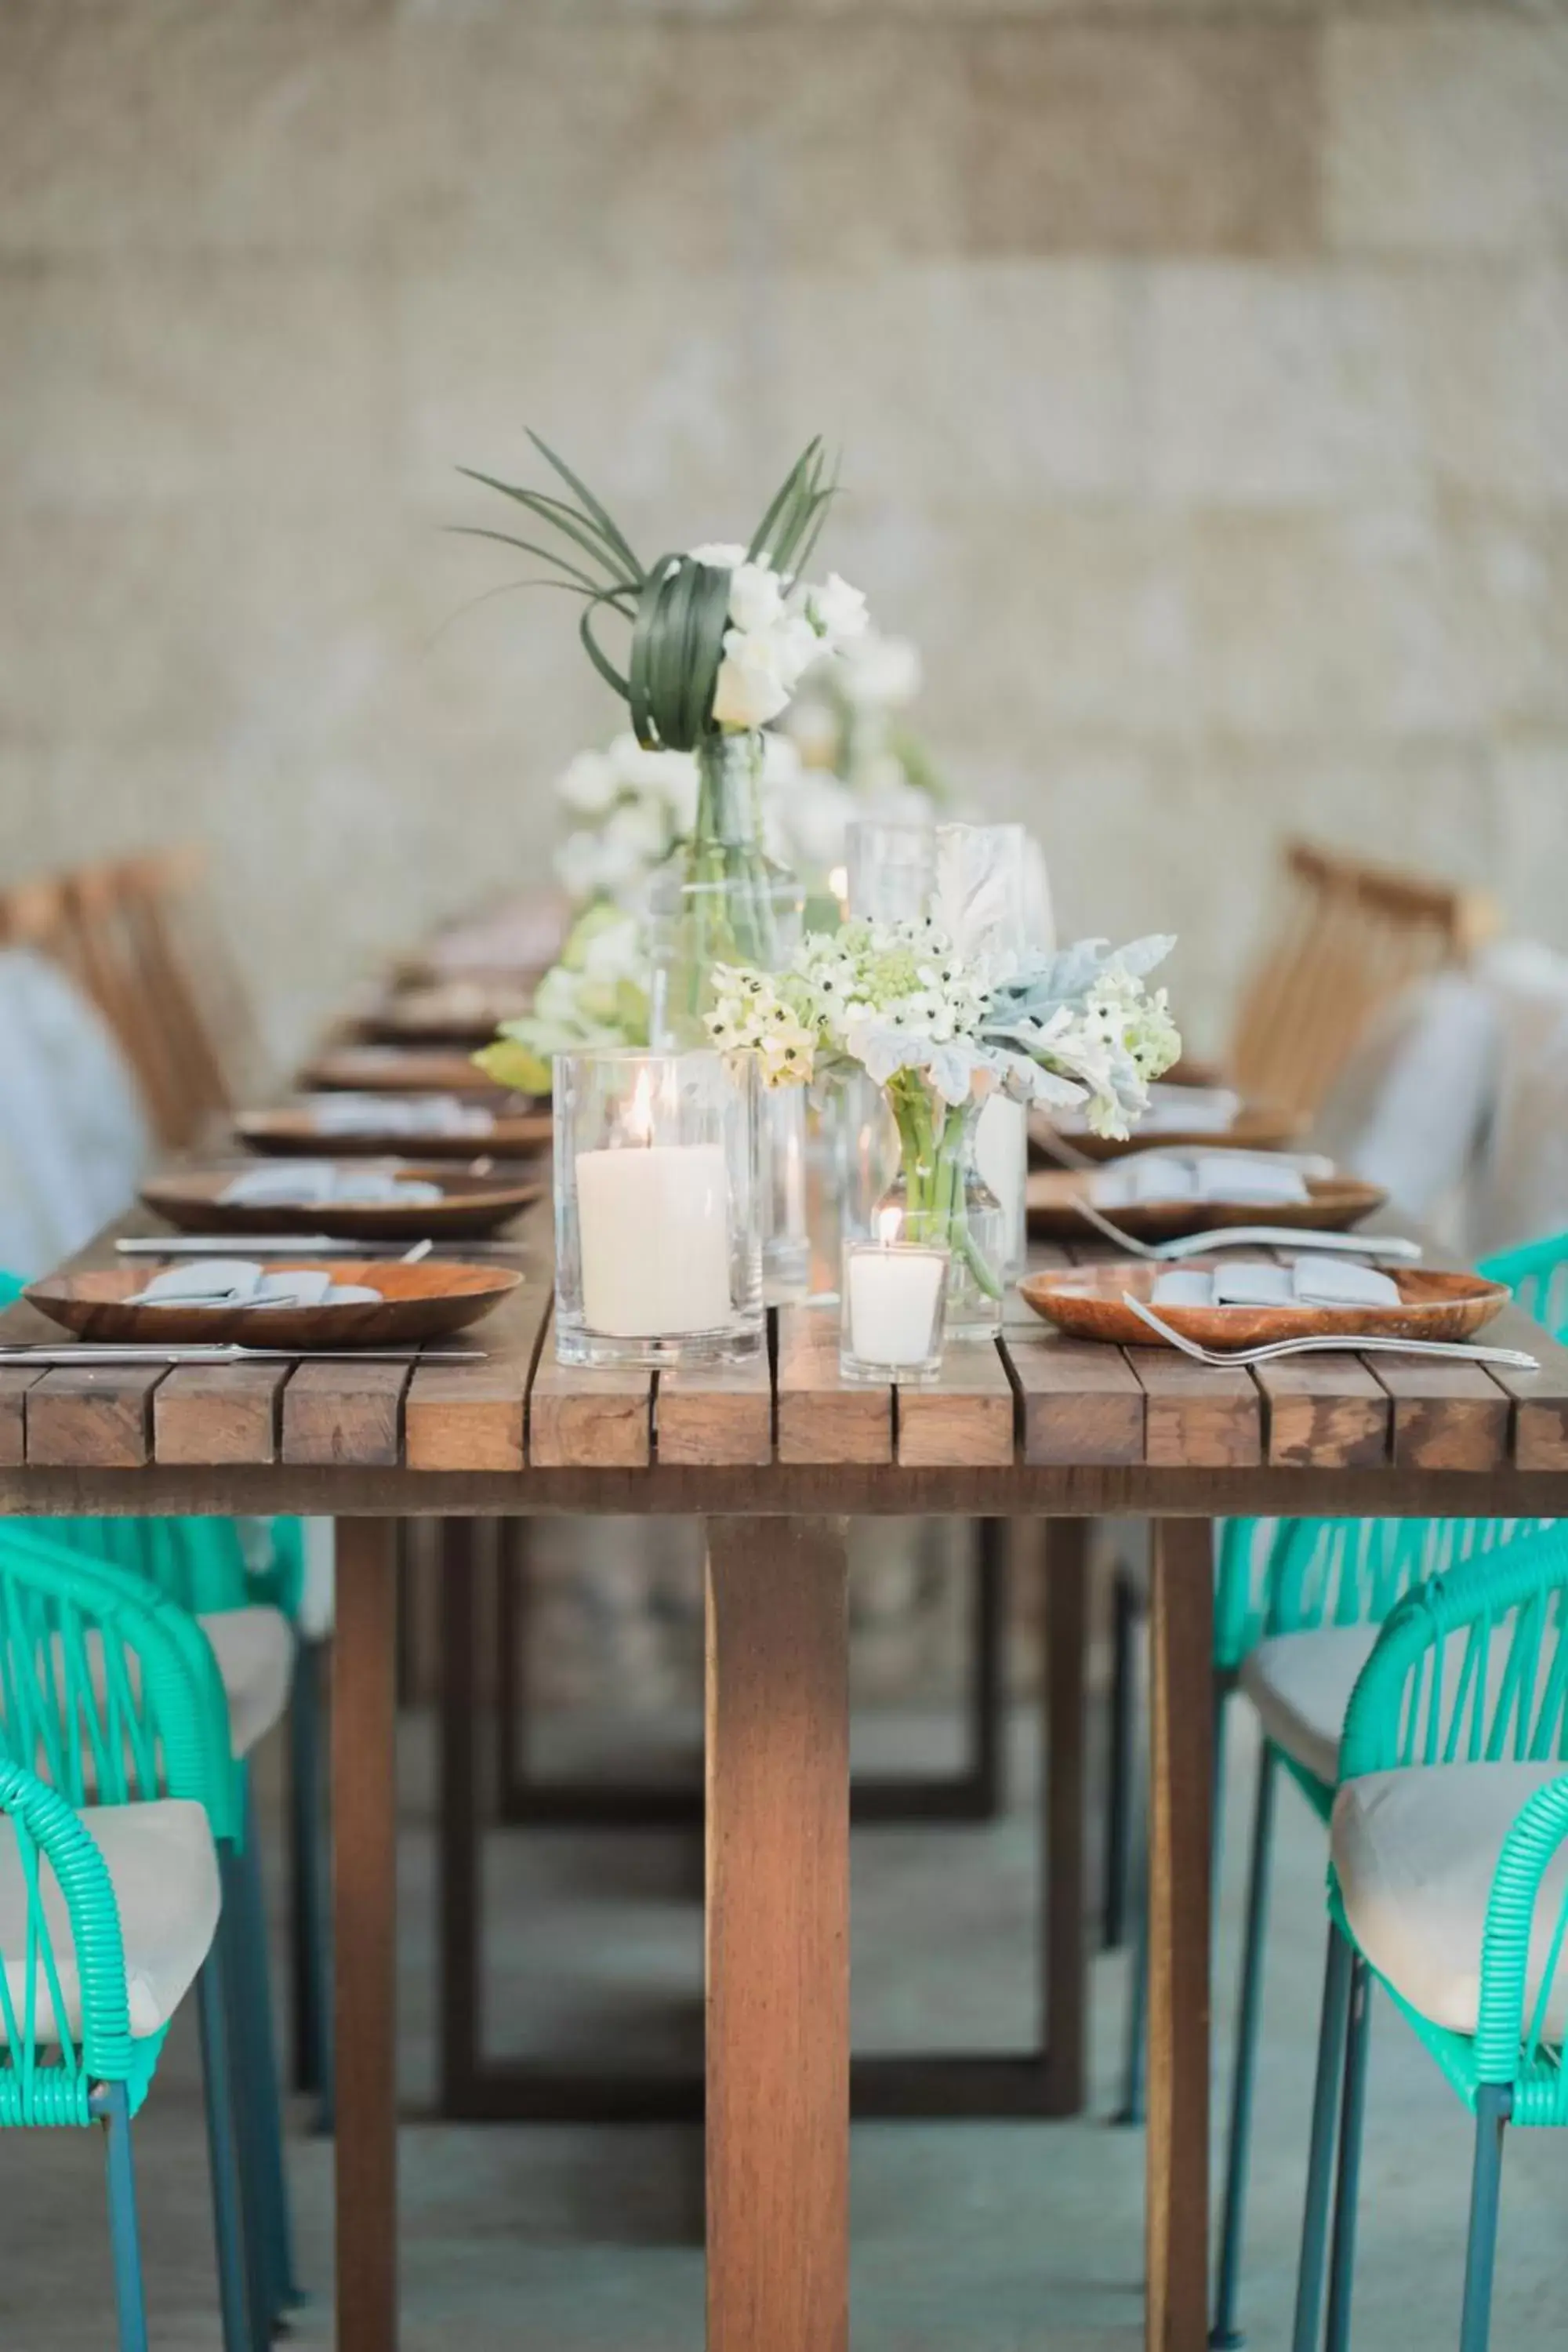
(309, 1925)
(1320, 2156)
(1352, 2113)
(256, 2063)
(240, 2320)
(1494, 2103)
(1132, 2108)
(1123, 1729)
(1223, 2335)
(114, 2106)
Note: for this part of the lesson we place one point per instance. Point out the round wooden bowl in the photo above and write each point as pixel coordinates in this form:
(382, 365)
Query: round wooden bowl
(1087, 1303)
(395, 1069)
(1256, 1127)
(1334, 1205)
(512, 1135)
(469, 1206)
(428, 1300)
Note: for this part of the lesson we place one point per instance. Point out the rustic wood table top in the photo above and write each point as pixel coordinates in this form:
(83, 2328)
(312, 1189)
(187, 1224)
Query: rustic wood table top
(1033, 1423)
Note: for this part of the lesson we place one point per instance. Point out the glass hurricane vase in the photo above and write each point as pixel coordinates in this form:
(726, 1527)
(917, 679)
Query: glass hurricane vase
(719, 898)
(943, 1202)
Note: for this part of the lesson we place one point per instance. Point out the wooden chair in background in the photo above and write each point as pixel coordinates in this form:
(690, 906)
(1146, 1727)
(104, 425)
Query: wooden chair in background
(130, 932)
(1352, 937)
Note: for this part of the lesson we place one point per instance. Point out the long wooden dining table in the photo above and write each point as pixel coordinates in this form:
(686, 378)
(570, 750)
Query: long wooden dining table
(774, 1456)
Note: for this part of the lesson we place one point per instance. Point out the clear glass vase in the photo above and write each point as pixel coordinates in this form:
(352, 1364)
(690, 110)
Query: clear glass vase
(943, 1202)
(720, 898)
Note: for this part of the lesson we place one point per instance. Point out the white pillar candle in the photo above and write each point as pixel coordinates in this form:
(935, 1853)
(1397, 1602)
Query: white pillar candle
(893, 1292)
(654, 1228)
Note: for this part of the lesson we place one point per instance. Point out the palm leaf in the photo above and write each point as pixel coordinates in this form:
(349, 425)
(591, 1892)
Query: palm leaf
(600, 659)
(782, 497)
(645, 635)
(584, 580)
(555, 516)
(607, 521)
(711, 614)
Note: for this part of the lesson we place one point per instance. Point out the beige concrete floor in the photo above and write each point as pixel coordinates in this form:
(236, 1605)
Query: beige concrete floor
(973, 2238)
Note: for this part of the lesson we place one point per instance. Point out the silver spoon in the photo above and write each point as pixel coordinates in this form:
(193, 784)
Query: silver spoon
(1352, 1343)
(1391, 1248)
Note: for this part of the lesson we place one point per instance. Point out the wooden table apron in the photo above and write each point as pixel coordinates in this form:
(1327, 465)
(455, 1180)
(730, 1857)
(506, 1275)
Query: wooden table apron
(773, 1456)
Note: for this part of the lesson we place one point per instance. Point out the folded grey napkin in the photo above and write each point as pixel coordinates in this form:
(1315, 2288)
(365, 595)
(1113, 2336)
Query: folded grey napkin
(1308, 1281)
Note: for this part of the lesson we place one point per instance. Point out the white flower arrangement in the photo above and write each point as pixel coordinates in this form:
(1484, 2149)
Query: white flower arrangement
(778, 628)
(1076, 1030)
(638, 806)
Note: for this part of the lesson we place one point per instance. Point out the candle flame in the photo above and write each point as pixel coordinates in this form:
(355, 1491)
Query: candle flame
(640, 1110)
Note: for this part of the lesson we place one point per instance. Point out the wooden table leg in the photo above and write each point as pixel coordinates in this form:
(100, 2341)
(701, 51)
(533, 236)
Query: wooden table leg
(365, 1911)
(777, 1937)
(1064, 1613)
(1180, 1737)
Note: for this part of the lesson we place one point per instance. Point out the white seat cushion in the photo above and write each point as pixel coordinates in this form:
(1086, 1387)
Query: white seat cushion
(164, 1869)
(255, 1654)
(1301, 1684)
(1416, 1851)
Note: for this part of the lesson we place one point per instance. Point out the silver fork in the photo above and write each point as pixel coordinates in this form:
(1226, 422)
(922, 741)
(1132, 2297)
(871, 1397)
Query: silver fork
(1458, 1351)
(1393, 1248)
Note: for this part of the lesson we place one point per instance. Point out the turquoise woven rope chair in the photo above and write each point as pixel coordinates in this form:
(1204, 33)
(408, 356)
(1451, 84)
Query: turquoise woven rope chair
(1329, 1585)
(111, 1799)
(1447, 1886)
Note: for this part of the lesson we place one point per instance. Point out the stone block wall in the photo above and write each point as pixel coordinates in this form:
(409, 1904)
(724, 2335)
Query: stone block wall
(1200, 373)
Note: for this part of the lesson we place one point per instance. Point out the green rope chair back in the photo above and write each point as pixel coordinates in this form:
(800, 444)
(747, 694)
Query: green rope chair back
(47, 2073)
(1472, 1667)
(1288, 1576)
(1537, 1274)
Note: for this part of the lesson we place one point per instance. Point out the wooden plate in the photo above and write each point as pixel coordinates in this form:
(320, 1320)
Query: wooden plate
(510, 1136)
(395, 1070)
(1086, 1302)
(424, 1301)
(1256, 1127)
(469, 1206)
(455, 1012)
(1334, 1205)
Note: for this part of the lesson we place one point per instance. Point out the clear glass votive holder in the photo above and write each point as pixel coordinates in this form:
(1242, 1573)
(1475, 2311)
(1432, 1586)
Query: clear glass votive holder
(892, 1309)
(658, 1252)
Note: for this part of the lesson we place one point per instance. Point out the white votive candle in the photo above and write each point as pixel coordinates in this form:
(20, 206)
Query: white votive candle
(654, 1226)
(893, 1290)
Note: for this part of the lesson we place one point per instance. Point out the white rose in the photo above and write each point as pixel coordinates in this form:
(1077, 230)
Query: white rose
(750, 690)
(719, 553)
(756, 597)
(838, 610)
(590, 783)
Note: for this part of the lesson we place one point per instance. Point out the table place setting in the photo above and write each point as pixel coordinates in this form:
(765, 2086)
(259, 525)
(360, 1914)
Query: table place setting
(380, 1125)
(1336, 1303)
(321, 1200)
(334, 1304)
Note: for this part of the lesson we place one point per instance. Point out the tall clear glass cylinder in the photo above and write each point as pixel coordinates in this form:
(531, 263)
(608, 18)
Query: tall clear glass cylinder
(720, 898)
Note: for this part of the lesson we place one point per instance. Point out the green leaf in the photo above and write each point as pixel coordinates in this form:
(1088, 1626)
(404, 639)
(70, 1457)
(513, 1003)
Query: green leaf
(607, 521)
(639, 693)
(601, 660)
(555, 516)
(515, 1067)
(530, 546)
(709, 620)
(781, 500)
